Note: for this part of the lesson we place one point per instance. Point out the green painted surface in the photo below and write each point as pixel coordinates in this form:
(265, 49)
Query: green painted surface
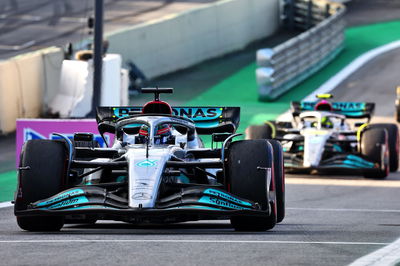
(240, 89)
(8, 183)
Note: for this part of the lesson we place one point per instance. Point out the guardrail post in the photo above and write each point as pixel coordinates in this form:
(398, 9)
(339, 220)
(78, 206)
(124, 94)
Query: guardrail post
(309, 14)
(289, 13)
(327, 9)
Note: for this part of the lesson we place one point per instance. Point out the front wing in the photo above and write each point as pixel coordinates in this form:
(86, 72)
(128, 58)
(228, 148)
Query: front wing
(344, 163)
(193, 203)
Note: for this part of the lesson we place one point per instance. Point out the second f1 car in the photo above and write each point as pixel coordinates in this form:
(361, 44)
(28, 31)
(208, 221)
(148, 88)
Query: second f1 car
(321, 138)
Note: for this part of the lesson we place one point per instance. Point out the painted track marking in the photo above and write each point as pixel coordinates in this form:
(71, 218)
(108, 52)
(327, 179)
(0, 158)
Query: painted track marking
(343, 210)
(6, 204)
(188, 241)
(389, 255)
(359, 62)
(334, 81)
(343, 182)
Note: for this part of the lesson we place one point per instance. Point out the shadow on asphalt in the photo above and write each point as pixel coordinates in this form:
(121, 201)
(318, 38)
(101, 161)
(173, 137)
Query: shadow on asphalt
(117, 228)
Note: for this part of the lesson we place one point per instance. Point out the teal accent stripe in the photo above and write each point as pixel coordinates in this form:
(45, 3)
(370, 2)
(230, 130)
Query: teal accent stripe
(68, 202)
(223, 195)
(62, 196)
(219, 202)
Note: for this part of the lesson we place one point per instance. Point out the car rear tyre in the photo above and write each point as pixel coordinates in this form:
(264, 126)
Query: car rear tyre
(247, 162)
(279, 174)
(373, 140)
(44, 164)
(393, 141)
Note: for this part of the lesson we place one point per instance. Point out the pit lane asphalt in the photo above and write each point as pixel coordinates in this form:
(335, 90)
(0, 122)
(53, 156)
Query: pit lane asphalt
(314, 232)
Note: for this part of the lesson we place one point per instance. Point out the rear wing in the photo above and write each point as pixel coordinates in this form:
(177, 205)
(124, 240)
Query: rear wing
(348, 109)
(208, 120)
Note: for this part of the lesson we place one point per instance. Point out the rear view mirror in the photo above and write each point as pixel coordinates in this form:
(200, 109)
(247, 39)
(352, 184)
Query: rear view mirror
(220, 137)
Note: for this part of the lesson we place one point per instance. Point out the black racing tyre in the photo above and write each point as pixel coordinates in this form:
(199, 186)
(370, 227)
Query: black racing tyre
(279, 173)
(47, 163)
(259, 132)
(397, 112)
(373, 140)
(393, 141)
(246, 180)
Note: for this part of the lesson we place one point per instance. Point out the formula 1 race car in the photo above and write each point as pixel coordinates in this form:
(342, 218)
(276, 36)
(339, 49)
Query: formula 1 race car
(321, 138)
(156, 171)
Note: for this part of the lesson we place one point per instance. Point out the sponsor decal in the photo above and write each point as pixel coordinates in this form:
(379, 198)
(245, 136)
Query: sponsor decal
(198, 114)
(124, 111)
(219, 202)
(307, 105)
(143, 184)
(147, 163)
(69, 202)
(348, 106)
(338, 106)
(194, 113)
(29, 134)
(63, 196)
(225, 196)
(141, 196)
(28, 129)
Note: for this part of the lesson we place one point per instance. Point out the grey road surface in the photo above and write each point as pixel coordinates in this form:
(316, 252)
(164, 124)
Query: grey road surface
(329, 225)
(375, 82)
(28, 25)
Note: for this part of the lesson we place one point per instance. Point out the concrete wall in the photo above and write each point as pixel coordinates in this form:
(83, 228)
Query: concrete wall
(26, 83)
(162, 46)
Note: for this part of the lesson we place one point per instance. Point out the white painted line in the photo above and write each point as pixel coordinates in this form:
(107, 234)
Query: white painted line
(6, 204)
(386, 256)
(343, 210)
(17, 47)
(343, 182)
(188, 241)
(73, 19)
(29, 18)
(333, 82)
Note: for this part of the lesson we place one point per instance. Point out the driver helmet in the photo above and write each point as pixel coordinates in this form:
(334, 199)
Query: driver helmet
(163, 130)
(162, 134)
(326, 122)
(144, 131)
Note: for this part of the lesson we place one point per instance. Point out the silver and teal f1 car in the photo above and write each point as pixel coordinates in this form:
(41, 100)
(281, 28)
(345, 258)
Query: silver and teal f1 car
(156, 170)
(321, 138)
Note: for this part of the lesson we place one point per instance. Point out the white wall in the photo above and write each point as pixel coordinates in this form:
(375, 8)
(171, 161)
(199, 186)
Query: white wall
(26, 83)
(165, 45)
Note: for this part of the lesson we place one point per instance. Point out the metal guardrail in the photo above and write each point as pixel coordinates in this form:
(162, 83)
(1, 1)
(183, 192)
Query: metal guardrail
(286, 65)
